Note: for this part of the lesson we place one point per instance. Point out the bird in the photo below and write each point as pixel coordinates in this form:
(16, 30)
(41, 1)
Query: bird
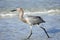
(31, 20)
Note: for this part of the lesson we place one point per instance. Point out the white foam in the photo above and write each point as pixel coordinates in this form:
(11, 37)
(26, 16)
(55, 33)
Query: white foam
(44, 12)
(7, 15)
(49, 11)
(10, 14)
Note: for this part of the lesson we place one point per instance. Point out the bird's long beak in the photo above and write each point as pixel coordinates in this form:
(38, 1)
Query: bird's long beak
(13, 10)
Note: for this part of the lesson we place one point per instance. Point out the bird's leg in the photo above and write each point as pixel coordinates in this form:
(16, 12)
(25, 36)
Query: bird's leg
(45, 31)
(30, 32)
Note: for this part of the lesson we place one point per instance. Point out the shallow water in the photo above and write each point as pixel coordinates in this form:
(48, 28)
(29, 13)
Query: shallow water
(14, 29)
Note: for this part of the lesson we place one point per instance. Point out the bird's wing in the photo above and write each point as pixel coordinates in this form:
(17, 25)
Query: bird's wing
(33, 16)
(35, 19)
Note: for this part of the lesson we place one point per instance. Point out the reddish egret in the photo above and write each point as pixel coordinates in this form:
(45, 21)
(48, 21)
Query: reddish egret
(31, 20)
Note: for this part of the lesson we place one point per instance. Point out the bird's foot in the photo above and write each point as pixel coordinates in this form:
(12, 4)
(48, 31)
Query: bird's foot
(49, 37)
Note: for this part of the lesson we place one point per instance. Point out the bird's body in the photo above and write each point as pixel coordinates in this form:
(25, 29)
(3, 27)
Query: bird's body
(31, 20)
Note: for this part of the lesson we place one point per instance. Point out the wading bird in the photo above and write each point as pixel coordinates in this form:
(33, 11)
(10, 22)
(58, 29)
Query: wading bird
(31, 20)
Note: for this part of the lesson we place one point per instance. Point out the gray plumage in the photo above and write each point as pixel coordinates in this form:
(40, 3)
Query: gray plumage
(35, 20)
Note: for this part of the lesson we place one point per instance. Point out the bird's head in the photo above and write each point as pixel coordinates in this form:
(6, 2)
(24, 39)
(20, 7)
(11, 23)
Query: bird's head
(17, 9)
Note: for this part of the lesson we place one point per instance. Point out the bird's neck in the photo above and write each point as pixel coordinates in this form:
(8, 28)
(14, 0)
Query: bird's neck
(21, 13)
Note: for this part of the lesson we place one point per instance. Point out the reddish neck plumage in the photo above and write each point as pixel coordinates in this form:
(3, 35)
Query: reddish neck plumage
(21, 13)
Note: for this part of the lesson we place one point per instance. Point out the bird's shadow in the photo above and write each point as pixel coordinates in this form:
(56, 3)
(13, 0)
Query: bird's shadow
(53, 30)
